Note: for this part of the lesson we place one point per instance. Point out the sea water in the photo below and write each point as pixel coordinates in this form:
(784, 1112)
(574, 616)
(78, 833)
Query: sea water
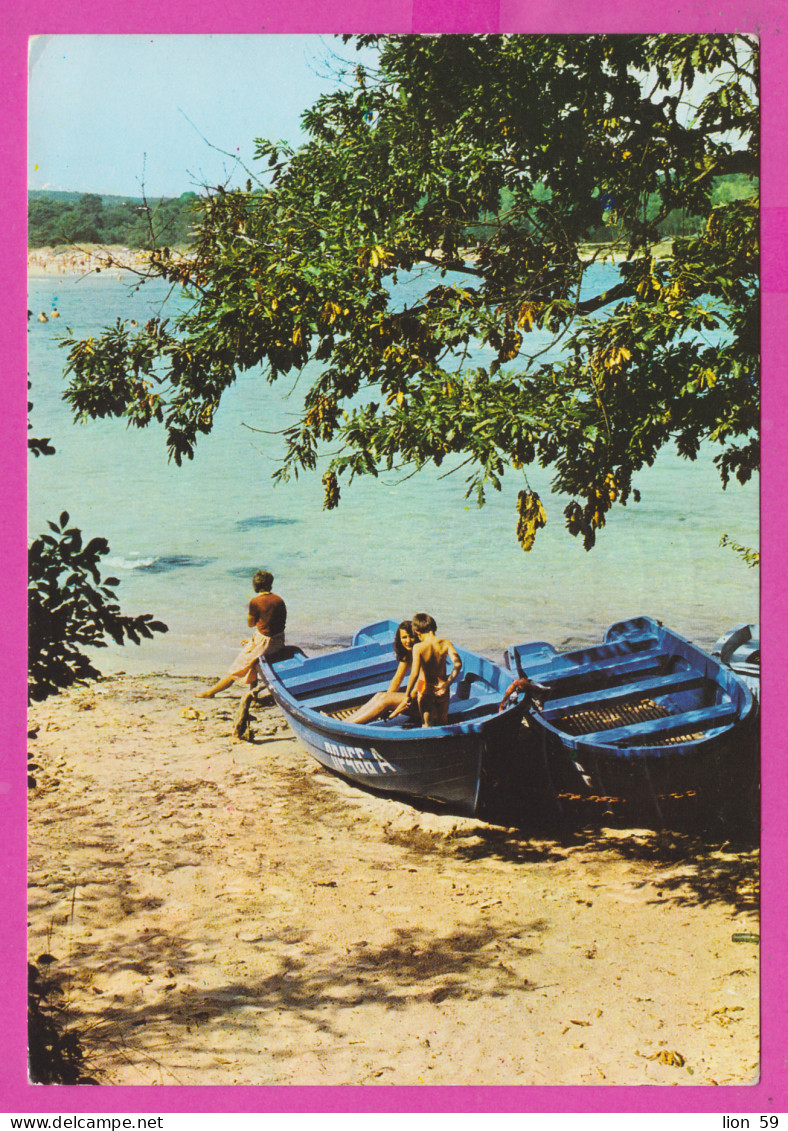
(186, 541)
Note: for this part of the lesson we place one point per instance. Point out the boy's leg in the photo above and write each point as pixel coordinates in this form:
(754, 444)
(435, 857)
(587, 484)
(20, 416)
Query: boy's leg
(222, 685)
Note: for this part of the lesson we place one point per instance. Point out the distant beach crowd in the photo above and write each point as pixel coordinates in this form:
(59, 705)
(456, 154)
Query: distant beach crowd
(45, 262)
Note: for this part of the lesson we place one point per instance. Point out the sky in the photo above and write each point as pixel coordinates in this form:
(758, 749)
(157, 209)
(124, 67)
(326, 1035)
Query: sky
(111, 114)
(166, 114)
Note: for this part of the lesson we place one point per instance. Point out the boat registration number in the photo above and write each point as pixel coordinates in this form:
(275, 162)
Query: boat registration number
(357, 759)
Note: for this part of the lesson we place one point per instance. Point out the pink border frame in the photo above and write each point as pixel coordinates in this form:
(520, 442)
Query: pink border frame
(763, 17)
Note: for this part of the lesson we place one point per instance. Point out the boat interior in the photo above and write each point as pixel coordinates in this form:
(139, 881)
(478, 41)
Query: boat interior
(646, 690)
(336, 683)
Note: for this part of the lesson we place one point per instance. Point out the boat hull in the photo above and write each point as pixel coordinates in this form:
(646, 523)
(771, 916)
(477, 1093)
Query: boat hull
(644, 716)
(436, 764)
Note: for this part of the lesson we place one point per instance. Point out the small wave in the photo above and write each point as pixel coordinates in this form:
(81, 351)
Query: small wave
(159, 564)
(130, 563)
(264, 520)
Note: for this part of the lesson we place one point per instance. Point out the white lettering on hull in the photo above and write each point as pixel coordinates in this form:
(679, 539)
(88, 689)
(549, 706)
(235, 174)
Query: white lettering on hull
(357, 760)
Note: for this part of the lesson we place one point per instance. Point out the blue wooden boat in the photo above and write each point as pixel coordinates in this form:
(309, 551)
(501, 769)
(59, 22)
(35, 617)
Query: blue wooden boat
(442, 764)
(740, 650)
(646, 714)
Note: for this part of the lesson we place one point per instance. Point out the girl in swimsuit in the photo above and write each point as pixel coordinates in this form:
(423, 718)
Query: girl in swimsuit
(387, 700)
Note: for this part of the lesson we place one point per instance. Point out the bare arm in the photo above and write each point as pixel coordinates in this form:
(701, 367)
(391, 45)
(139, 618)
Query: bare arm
(456, 661)
(414, 672)
(399, 675)
(414, 675)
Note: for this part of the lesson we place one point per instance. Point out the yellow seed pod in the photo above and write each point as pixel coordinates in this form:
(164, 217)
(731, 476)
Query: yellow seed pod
(525, 316)
(377, 256)
(331, 488)
(330, 312)
(510, 347)
(531, 518)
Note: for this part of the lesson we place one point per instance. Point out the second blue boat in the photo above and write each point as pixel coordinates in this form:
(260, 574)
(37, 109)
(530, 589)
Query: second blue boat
(646, 715)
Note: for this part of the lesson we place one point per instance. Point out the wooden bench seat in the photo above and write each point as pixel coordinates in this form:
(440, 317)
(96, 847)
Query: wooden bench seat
(652, 686)
(688, 722)
(556, 675)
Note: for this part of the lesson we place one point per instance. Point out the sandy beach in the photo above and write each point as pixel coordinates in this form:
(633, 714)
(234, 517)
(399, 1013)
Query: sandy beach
(110, 260)
(114, 260)
(223, 911)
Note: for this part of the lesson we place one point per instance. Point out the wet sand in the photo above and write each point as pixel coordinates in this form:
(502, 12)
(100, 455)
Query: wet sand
(218, 911)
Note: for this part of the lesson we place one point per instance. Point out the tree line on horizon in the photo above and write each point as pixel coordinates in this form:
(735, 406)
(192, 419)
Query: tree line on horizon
(67, 218)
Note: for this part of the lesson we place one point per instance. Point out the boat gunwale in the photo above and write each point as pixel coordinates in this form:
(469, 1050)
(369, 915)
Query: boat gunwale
(407, 733)
(316, 720)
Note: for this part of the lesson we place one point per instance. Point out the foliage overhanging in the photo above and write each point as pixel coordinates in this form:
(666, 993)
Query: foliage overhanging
(494, 158)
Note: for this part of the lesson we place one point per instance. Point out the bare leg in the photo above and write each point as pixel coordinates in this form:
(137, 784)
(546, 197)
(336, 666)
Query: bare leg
(434, 710)
(433, 718)
(222, 685)
(378, 704)
(241, 726)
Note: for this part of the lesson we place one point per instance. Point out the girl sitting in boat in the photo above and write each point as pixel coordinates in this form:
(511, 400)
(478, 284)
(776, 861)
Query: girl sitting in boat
(388, 700)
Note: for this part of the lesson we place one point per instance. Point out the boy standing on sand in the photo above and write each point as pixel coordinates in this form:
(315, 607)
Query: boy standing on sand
(428, 677)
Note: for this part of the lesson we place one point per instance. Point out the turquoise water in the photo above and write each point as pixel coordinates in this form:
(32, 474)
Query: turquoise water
(185, 541)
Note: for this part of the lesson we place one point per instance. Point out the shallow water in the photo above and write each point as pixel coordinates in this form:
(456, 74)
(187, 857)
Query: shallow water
(185, 541)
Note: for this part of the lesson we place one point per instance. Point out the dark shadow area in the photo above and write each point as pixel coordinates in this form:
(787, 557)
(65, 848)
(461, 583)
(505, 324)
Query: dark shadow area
(55, 1053)
(699, 873)
(714, 798)
(168, 562)
(416, 966)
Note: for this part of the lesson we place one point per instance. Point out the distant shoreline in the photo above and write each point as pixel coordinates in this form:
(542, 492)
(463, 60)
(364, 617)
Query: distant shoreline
(118, 261)
(114, 260)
